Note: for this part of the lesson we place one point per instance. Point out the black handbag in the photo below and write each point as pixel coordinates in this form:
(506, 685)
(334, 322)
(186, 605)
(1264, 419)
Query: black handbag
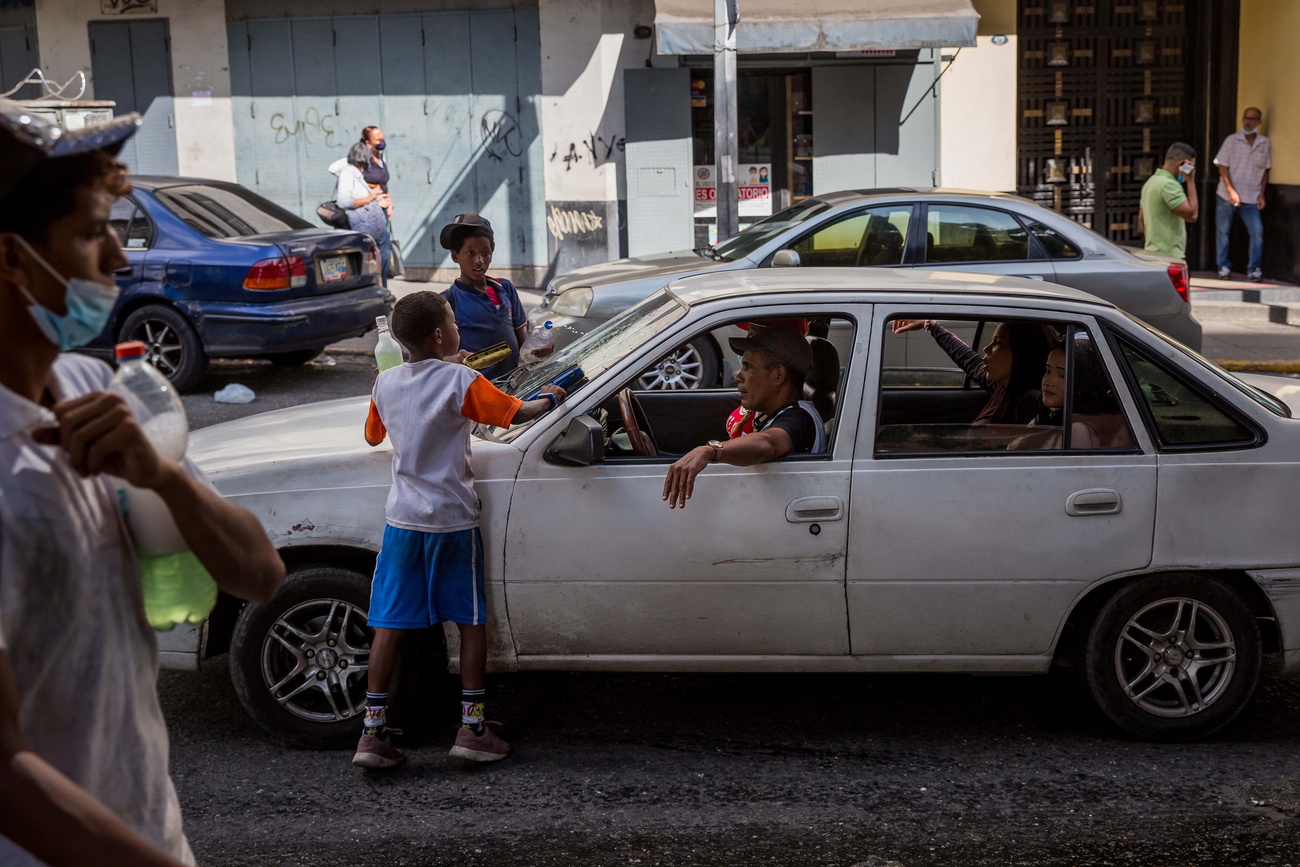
(332, 215)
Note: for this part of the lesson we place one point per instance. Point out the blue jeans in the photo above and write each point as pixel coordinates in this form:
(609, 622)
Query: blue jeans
(385, 242)
(1223, 213)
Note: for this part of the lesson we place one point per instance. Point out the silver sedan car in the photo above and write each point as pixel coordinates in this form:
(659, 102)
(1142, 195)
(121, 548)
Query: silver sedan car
(938, 229)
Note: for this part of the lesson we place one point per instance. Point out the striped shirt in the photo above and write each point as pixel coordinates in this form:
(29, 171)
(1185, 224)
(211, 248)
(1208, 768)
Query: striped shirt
(1246, 165)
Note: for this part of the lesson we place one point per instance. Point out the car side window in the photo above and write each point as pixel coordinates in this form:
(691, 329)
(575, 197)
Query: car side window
(1057, 245)
(1183, 416)
(962, 233)
(876, 236)
(1031, 386)
(133, 228)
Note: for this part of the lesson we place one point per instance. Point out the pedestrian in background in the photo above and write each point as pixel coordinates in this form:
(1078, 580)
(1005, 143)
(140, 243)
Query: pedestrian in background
(361, 201)
(1244, 160)
(1166, 208)
(83, 742)
(376, 175)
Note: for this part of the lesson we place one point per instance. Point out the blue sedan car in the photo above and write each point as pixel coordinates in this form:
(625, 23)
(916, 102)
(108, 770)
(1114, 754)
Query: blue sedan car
(219, 272)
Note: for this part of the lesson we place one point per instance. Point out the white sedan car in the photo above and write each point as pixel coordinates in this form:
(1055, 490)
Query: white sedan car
(1136, 530)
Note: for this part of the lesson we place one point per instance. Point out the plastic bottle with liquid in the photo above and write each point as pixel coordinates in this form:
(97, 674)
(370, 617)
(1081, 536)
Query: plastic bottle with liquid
(537, 345)
(388, 352)
(177, 589)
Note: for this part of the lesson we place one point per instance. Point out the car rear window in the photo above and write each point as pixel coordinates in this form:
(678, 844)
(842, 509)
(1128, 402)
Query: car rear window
(227, 211)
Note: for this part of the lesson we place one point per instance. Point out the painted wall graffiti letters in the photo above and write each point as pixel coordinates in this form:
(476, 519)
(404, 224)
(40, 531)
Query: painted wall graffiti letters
(501, 135)
(596, 149)
(311, 123)
(563, 222)
(127, 7)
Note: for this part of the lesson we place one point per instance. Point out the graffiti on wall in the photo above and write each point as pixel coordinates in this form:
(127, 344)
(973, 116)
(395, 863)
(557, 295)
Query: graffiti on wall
(501, 135)
(584, 233)
(563, 222)
(312, 123)
(593, 150)
(128, 7)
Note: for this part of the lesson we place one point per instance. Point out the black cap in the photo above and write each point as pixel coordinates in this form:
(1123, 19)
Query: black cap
(785, 344)
(28, 139)
(461, 221)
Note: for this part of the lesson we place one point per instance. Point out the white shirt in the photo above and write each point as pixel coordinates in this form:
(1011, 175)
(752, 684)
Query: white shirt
(351, 185)
(426, 409)
(72, 622)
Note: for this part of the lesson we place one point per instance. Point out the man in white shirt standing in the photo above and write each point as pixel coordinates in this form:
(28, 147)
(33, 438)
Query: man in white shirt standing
(83, 744)
(1244, 160)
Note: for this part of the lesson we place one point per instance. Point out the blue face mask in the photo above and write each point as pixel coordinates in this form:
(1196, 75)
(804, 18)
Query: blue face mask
(383, 144)
(1245, 131)
(89, 306)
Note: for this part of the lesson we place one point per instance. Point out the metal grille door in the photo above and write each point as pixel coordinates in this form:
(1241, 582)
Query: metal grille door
(1103, 91)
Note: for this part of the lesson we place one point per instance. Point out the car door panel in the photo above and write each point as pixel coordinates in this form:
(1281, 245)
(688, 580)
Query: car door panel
(977, 555)
(731, 574)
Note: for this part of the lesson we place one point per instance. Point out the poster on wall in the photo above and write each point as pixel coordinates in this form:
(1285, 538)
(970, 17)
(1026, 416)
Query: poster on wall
(753, 184)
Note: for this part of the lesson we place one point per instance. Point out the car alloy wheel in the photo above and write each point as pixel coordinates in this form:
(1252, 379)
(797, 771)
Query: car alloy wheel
(171, 342)
(163, 344)
(1175, 657)
(690, 366)
(315, 658)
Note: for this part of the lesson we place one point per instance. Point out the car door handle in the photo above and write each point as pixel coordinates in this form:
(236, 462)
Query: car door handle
(1093, 501)
(809, 510)
(125, 272)
(1036, 277)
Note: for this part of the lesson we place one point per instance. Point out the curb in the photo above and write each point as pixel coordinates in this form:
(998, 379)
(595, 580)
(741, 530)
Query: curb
(1275, 366)
(1283, 313)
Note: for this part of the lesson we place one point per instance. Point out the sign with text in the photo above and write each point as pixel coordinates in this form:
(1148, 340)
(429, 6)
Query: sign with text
(753, 187)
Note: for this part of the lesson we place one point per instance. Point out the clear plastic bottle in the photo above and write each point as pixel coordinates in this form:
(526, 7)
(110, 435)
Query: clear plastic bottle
(537, 345)
(177, 589)
(388, 352)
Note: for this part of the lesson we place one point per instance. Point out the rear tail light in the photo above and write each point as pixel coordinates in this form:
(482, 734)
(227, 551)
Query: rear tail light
(280, 273)
(1178, 276)
(373, 265)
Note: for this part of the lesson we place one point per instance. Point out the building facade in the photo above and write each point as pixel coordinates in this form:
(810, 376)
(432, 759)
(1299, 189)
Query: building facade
(583, 129)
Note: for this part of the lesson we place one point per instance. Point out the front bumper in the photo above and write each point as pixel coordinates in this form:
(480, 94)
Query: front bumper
(230, 329)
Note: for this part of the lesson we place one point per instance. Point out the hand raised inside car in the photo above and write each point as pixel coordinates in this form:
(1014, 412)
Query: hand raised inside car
(901, 325)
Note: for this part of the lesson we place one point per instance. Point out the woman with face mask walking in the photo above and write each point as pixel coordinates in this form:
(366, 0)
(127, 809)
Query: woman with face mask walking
(363, 192)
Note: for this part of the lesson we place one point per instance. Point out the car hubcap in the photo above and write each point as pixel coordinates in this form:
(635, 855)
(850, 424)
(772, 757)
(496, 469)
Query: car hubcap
(315, 659)
(1175, 657)
(682, 369)
(163, 345)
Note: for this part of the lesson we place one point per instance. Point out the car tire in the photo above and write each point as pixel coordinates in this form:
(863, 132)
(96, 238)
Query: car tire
(284, 647)
(690, 366)
(296, 358)
(1173, 657)
(173, 344)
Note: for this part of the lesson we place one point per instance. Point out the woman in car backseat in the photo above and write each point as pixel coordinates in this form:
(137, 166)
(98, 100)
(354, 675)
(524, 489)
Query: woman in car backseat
(1010, 368)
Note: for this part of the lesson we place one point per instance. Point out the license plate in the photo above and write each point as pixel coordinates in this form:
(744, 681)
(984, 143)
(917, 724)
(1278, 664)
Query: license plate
(333, 268)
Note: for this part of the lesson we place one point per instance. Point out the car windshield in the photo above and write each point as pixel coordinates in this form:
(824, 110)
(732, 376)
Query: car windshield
(227, 211)
(764, 230)
(594, 352)
(1261, 397)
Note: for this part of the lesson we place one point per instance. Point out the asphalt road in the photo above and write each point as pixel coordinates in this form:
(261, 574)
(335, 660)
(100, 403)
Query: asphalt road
(851, 770)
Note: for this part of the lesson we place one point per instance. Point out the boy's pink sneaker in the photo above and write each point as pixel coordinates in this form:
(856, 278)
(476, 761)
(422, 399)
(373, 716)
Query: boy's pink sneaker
(486, 747)
(375, 752)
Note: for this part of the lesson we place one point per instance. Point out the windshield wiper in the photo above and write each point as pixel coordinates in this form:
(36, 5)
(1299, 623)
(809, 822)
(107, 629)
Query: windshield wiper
(708, 253)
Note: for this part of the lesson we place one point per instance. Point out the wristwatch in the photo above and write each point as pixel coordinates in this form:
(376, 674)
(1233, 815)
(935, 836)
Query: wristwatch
(716, 445)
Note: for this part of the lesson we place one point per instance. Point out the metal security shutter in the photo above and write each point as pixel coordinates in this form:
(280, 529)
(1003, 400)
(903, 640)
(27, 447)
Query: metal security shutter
(18, 51)
(660, 190)
(859, 138)
(455, 92)
(131, 64)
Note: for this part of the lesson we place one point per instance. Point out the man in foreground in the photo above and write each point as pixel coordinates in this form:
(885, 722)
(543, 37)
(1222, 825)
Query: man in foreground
(83, 743)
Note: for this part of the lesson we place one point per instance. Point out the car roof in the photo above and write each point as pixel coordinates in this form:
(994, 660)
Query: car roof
(158, 182)
(919, 193)
(728, 284)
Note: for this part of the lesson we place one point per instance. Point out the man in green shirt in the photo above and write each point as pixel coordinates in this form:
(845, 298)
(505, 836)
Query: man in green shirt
(1165, 208)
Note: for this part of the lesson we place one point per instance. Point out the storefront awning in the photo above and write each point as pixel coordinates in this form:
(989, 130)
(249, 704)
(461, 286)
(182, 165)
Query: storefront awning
(783, 27)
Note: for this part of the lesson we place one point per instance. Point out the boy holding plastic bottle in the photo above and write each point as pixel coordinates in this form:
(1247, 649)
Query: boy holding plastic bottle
(488, 309)
(430, 566)
(83, 743)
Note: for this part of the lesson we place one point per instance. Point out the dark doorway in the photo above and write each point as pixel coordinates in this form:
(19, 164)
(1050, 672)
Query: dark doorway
(131, 62)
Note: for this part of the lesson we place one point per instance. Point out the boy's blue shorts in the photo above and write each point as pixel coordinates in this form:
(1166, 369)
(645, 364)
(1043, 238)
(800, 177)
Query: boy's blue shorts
(426, 578)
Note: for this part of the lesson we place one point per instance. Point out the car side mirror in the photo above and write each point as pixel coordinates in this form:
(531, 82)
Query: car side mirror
(786, 259)
(581, 445)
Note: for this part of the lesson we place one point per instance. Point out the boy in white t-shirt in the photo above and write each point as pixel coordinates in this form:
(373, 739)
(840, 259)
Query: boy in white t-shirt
(430, 566)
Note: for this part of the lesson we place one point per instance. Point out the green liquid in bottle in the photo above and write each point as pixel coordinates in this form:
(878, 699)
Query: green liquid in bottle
(177, 589)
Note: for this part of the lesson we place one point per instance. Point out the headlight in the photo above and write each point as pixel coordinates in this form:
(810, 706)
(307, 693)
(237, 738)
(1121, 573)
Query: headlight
(574, 302)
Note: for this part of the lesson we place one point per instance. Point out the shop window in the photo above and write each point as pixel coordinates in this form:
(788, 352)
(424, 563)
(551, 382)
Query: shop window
(959, 233)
